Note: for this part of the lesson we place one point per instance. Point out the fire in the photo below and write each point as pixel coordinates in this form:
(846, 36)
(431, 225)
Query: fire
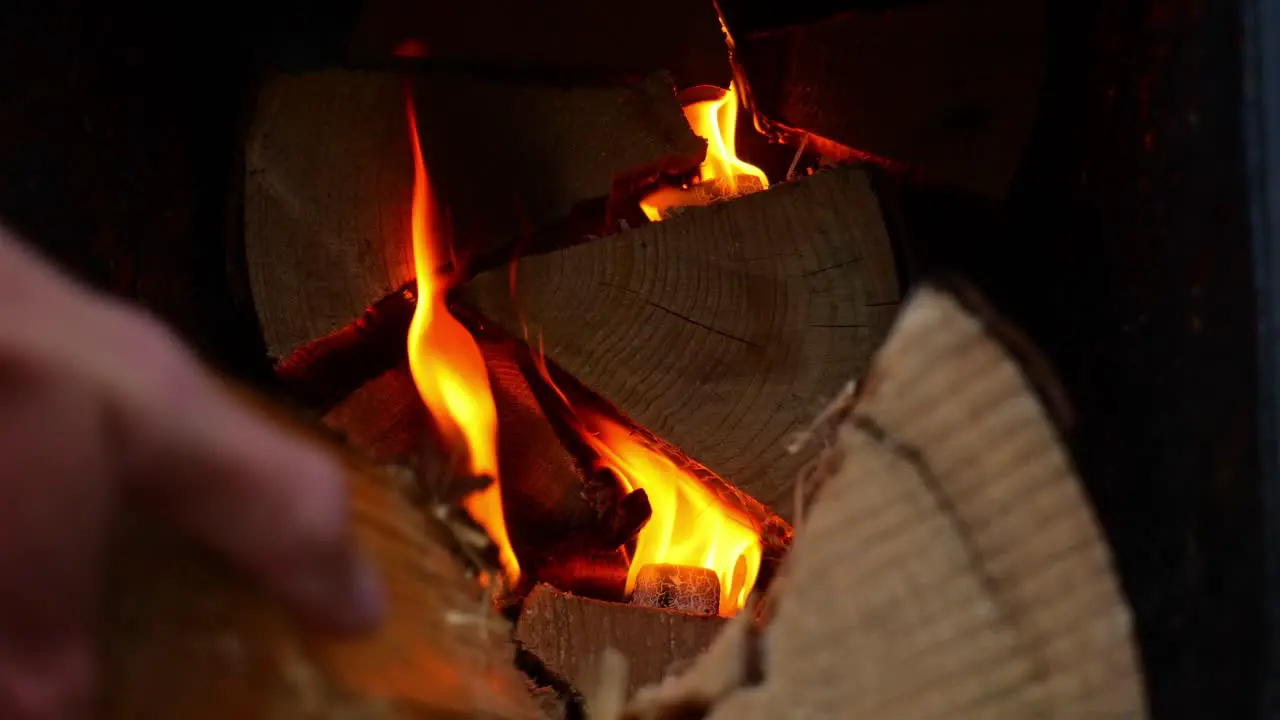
(447, 366)
(689, 525)
(715, 121)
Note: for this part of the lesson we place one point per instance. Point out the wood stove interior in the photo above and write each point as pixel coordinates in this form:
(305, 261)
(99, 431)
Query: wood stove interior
(896, 138)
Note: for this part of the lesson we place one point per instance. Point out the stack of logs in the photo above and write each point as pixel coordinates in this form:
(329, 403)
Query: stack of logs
(722, 330)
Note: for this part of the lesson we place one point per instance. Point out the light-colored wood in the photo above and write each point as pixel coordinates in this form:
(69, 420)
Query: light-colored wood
(329, 177)
(725, 329)
(570, 634)
(948, 87)
(187, 637)
(950, 565)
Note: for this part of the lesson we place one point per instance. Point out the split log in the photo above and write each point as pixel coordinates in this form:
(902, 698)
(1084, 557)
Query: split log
(329, 177)
(724, 329)
(186, 636)
(681, 37)
(950, 565)
(541, 484)
(570, 634)
(949, 88)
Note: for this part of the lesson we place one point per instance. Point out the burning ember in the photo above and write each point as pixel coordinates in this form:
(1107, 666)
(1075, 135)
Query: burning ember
(447, 366)
(723, 174)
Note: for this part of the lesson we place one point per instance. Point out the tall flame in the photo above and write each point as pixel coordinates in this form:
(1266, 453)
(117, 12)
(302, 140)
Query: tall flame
(689, 525)
(715, 121)
(447, 366)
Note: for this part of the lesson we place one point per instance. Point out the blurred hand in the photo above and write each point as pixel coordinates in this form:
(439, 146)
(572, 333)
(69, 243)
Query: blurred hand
(99, 406)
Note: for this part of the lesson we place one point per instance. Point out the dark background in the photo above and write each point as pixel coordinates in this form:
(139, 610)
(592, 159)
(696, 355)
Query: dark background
(1125, 252)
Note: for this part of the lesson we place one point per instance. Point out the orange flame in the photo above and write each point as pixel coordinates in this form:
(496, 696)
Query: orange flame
(689, 525)
(447, 365)
(715, 121)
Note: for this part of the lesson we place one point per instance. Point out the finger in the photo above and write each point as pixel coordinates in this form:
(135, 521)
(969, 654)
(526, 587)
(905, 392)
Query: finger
(271, 500)
(273, 503)
(54, 505)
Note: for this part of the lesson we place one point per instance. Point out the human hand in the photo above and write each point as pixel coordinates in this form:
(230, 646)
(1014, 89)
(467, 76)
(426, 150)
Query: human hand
(100, 407)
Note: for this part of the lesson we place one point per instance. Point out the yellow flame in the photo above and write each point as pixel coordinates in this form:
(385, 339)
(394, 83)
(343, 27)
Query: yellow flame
(689, 525)
(447, 366)
(715, 121)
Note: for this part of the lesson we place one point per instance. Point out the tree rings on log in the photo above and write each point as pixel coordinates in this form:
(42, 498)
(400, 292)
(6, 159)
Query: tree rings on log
(329, 177)
(950, 565)
(722, 330)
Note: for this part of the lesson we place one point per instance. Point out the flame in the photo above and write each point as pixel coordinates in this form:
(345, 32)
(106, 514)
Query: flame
(447, 365)
(715, 121)
(689, 525)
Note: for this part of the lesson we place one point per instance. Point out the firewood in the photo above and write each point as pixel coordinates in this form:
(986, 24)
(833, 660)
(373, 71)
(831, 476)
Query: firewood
(542, 487)
(724, 329)
(186, 636)
(329, 175)
(566, 35)
(947, 87)
(569, 635)
(950, 565)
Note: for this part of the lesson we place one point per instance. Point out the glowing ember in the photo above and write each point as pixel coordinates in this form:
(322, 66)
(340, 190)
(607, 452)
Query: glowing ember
(723, 174)
(447, 366)
(689, 526)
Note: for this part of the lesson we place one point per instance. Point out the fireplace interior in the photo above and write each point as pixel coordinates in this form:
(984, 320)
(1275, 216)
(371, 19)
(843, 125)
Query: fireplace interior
(741, 358)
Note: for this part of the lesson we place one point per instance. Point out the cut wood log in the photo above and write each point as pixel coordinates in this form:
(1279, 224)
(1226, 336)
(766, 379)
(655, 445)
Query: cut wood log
(722, 330)
(329, 176)
(541, 485)
(185, 636)
(679, 36)
(950, 565)
(570, 634)
(947, 87)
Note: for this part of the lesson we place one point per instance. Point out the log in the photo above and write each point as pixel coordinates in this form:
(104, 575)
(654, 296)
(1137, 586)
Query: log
(541, 484)
(570, 634)
(681, 37)
(949, 88)
(329, 175)
(722, 330)
(185, 636)
(971, 575)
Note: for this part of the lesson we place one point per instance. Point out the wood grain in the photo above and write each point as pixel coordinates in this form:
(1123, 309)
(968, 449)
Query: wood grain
(186, 636)
(947, 87)
(570, 634)
(724, 330)
(329, 177)
(972, 578)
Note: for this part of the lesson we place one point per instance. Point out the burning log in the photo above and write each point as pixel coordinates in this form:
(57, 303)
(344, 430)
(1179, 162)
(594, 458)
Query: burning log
(947, 87)
(570, 634)
(544, 499)
(330, 173)
(185, 635)
(716, 329)
(566, 35)
(949, 565)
